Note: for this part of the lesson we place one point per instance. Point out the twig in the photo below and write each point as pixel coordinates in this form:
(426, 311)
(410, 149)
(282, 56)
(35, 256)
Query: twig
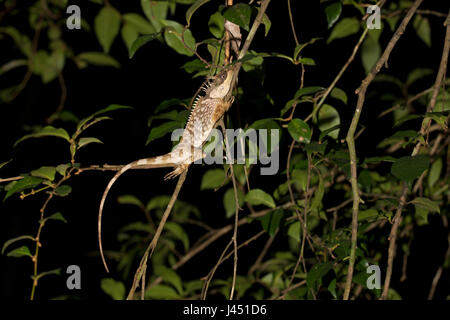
(151, 247)
(291, 19)
(361, 91)
(11, 179)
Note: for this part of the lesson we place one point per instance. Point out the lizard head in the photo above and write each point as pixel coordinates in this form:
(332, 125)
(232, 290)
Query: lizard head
(222, 84)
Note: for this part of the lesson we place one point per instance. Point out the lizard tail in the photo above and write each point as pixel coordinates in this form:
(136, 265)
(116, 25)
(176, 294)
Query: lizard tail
(155, 162)
(102, 203)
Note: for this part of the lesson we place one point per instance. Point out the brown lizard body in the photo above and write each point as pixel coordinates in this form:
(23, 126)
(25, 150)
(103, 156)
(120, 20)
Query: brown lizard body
(207, 110)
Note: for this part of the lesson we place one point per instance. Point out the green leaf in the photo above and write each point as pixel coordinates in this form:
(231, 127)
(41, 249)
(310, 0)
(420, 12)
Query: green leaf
(307, 61)
(426, 204)
(57, 216)
(418, 74)
(44, 172)
(130, 199)
(294, 230)
(19, 252)
(162, 130)
(47, 131)
(300, 130)
(229, 201)
(139, 23)
(193, 8)
(307, 91)
(267, 23)
(139, 42)
(239, 14)
(169, 276)
(332, 288)
(301, 46)
(367, 214)
(316, 202)
(172, 36)
(370, 53)
(21, 40)
(99, 59)
(129, 34)
(155, 11)
(328, 118)
(317, 272)
(339, 94)
(47, 273)
(215, 25)
(178, 232)
(213, 179)
(259, 197)
(106, 26)
(271, 221)
(161, 292)
(423, 29)
(27, 182)
(111, 107)
(333, 11)
(409, 168)
(85, 141)
(344, 28)
(435, 172)
(63, 190)
(115, 289)
(11, 241)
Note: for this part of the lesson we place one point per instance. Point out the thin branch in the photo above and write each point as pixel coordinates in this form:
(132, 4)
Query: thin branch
(151, 247)
(361, 91)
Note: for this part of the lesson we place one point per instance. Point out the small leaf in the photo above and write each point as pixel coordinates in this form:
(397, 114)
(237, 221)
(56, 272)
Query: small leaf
(178, 232)
(317, 272)
(229, 201)
(99, 59)
(239, 14)
(47, 131)
(332, 288)
(130, 199)
(62, 168)
(333, 11)
(370, 53)
(426, 204)
(19, 252)
(213, 179)
(259, 197)
(162, 130)
(106, 26)
(115, 289)
(367, 214)
(139, 42)
(57, 216)
(344, 28)
(300, 130)
(47, 273)
(423, 29)
(215, 25)
(139, 23)
(409, 168)
(190, 11)
(27, 182)
(294, 230)
(63, 190)
(161, 292)
(85, 141)
(267, 23)
(307, 61)
(11, 241)
(271, 221)
(172, 36)
(307, 91)
(5, 163)
(169, 276)
(328, 118)
(339, 94)
(435, 172)
(44, 172)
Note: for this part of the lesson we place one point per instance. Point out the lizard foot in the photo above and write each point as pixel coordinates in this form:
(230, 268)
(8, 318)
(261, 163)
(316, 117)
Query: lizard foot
(175, 173)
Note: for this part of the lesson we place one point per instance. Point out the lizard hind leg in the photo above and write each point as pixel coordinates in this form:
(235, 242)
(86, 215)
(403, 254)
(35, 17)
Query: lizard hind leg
(175, 173)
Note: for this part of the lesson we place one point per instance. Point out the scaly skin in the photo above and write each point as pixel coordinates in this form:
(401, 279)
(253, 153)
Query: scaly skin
(207, 110)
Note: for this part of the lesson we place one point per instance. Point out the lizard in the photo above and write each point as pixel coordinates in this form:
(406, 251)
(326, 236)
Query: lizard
(208, 108)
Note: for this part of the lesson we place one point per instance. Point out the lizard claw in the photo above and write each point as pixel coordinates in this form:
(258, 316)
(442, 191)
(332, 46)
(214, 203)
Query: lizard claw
(175, 173)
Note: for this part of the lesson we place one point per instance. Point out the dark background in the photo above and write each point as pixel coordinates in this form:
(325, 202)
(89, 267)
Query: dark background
(154, 75)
